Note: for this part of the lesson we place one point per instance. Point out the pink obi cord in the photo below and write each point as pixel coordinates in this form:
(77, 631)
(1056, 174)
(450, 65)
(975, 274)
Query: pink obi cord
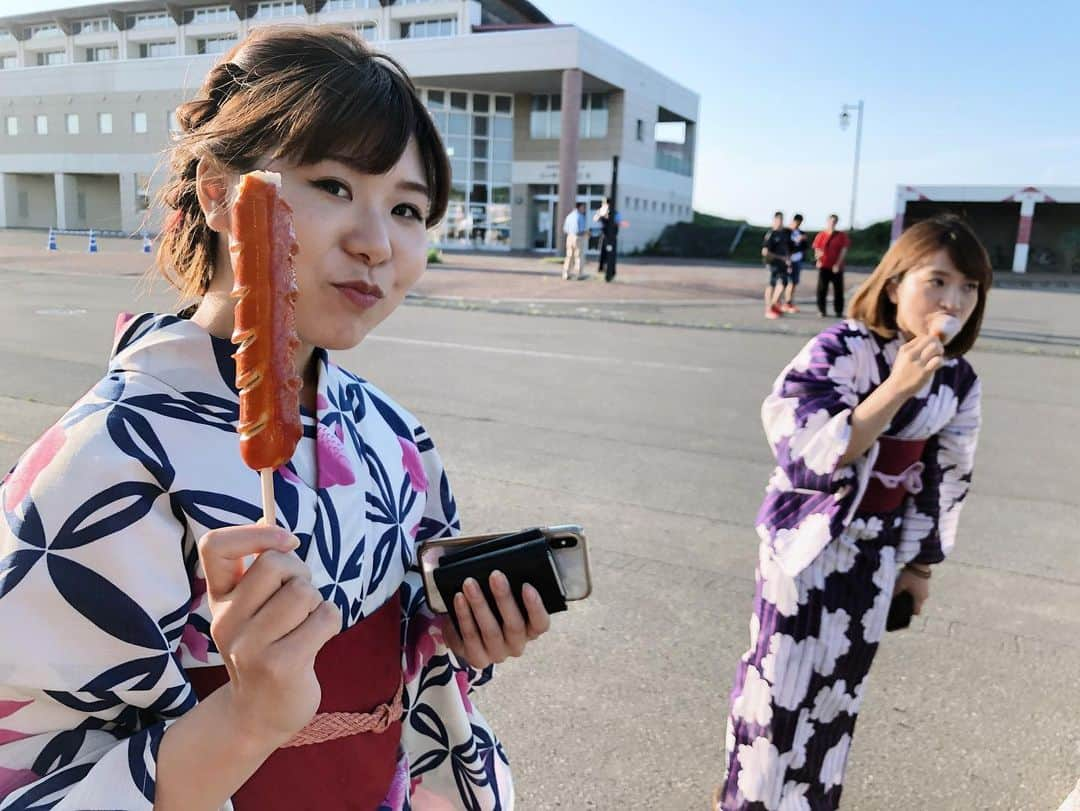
(910, 479)
(329, 726)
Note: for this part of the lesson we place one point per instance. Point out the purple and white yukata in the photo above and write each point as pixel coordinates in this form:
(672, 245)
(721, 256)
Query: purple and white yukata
(828, 563)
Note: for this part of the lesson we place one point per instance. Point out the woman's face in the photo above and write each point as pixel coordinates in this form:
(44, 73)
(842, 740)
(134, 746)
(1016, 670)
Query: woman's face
(932, 289)
(362, 238)
(363, 244)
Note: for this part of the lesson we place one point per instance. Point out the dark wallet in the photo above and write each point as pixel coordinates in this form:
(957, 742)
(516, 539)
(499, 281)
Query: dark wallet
(901, 610)
(524, 557)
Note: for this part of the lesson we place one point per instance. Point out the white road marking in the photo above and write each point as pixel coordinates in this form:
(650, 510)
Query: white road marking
(497, 350)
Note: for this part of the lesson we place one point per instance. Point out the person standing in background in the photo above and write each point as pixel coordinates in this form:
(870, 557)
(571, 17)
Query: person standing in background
(576, 234)
(830, 249)
(776, 251)
(798, 246)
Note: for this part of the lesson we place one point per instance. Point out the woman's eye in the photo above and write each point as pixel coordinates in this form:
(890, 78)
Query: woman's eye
(334, 187)
(972, 287)
(407, 210)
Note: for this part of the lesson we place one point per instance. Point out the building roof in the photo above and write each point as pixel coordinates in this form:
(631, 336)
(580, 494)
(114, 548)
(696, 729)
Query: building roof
(522, 11)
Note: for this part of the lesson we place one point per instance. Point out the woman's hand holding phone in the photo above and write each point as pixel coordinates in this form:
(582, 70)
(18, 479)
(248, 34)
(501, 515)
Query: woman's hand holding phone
(483, 641)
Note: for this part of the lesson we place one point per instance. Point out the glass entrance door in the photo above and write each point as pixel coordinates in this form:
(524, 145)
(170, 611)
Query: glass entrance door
(546, 236)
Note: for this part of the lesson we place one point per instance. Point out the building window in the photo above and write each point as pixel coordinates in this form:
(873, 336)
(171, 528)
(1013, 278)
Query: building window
(138, 123)
(108, 53)
(52, 58)
(71, 122)
(640, 130)
(47, 30)
(151, 50)
(142, 192)
(345, 5)
(594, 115)
(104, 123)
(12, 125)
(477, 130)
(545, 120)
(80, 205)
(5, 34)
(96, 25)
(9, 62)
(173, 123)
(24, 204)
(276, 10)
(150, 20)
(209, 14)
(367, 30)
(423, 29)
(215, 45)
(41, 124)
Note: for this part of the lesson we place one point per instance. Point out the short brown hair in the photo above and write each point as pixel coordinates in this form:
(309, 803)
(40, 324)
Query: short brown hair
(303, 94)
(947, 232)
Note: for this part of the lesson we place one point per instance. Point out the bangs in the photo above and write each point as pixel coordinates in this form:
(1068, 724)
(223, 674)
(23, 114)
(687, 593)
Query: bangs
(365, 121)
(348, 104)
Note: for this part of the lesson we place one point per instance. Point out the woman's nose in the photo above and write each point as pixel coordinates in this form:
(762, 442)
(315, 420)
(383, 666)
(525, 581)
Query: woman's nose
(369, 241)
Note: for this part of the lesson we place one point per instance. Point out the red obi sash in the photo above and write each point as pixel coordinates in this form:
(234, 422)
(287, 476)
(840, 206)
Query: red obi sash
(897, 472)
(330, 765)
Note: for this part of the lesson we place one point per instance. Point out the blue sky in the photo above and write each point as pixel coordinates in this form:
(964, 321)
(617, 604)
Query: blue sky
(953, 95)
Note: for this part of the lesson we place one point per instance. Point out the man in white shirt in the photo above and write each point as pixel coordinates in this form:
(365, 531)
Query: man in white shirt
(576, 236)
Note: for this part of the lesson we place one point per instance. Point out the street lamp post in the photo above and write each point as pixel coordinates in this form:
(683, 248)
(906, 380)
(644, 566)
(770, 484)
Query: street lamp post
(845, 119)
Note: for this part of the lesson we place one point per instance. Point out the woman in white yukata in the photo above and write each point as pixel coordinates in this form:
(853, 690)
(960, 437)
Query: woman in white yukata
(140, 666)
(873, 426)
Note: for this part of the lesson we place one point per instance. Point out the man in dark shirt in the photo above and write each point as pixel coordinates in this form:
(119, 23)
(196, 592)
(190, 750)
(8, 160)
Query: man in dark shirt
(776, 251)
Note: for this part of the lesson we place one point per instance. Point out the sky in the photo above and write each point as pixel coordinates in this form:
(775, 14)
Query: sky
(955, 92)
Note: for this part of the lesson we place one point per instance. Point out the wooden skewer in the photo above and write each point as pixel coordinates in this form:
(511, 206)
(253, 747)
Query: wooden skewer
(269, 516)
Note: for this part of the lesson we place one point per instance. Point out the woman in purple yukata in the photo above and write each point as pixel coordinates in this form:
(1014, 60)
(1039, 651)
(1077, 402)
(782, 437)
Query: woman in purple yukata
(873, 426)
(141, 666)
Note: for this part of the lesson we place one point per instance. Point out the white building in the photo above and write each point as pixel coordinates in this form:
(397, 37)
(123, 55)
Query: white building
(87, 97)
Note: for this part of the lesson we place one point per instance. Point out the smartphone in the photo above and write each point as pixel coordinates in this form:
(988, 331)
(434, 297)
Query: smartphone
(568, 549)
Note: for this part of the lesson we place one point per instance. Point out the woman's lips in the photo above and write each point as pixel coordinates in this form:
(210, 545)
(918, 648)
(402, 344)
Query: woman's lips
(361, 294)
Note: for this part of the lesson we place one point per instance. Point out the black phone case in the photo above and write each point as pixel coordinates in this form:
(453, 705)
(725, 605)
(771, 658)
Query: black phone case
(901, 609)
(529, 562)
(493, 545)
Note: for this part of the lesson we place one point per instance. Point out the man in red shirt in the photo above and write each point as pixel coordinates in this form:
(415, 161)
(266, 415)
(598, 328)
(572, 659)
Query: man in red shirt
(830, 248)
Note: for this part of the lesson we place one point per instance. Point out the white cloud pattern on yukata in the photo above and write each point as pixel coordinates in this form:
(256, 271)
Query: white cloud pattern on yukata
(873, 621)
(761, 773)
(804, 731)
(778, 417)
(794, 798)
(830, 701)
(832, 768)
(832, 640)
(788, 667)
(776, 587)
(856, 371)
(821, 441)
(754, 704)
(813, 533)
(780, 481)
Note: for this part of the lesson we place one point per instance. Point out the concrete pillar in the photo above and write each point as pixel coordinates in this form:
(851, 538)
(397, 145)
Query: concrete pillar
(568, 148)
(1023, 235)
(130, 215)
(898, 218)
(66, 204)
(8, 200)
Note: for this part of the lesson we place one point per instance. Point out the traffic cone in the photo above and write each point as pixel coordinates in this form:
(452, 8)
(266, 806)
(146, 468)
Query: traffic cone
(92, 247)
(145, 242)
(52, 239)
